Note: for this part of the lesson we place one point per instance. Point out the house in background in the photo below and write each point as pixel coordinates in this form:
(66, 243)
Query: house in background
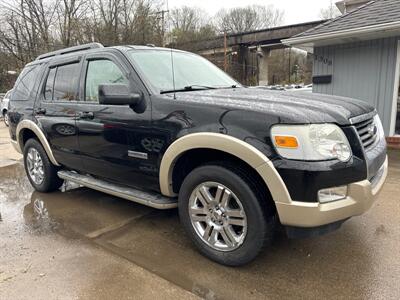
(358, 55)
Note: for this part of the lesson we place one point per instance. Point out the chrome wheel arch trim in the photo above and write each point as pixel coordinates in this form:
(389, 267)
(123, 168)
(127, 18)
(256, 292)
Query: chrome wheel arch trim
(225, 143)
(28, 124)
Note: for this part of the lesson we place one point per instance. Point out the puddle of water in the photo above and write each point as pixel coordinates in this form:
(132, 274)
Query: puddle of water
(23, 210)
(73, 211)
(37, 217)
(15, 192)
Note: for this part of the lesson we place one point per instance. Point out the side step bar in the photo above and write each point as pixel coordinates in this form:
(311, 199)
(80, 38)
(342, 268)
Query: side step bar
(149, 199)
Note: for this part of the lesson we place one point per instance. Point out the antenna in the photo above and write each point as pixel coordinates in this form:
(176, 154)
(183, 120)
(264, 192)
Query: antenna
(171, 52)
(173, 72)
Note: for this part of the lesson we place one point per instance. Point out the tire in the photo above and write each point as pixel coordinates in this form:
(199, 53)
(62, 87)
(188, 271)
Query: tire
(44, 169)
(257, 217)
(6, 121)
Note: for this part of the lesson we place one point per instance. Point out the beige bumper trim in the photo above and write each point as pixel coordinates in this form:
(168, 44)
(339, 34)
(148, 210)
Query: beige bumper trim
(361, 196)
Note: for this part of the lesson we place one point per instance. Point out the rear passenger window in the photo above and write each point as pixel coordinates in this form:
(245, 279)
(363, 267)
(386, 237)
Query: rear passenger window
(25, 83)
(66, 82)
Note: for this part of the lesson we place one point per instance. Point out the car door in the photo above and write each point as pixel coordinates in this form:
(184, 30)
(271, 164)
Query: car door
(113, 138)
(55, 109)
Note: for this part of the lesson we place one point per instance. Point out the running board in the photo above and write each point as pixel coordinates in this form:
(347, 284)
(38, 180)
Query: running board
(149, 199)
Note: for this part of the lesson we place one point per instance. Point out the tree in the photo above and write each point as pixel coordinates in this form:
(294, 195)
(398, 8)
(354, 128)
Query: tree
(26, 28)
(114, 22)
(330, 12)
(69, 14)
(32, 27)
(188, 24)
(252, 17)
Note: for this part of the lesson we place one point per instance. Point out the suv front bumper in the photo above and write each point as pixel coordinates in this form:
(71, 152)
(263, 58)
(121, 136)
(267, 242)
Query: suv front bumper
(361, 196)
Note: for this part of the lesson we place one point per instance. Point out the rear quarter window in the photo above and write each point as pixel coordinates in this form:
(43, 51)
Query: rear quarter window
(25, 83)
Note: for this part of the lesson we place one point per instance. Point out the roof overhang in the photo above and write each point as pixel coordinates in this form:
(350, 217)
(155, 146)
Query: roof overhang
(344, 36)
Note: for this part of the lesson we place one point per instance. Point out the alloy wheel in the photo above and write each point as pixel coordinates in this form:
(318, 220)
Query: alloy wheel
(35, 166)
(218, 217)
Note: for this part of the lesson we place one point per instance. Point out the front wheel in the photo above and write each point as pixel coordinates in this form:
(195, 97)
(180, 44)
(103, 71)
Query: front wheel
(41, 173)
(222, 211)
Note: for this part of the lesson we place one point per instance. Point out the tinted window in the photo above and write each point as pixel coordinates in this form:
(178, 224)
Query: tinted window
(101, 72)
(25, 83)
(48, 92)
(66, 82)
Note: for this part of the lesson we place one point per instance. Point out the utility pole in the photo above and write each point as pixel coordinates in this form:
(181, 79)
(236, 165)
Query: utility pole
(162, 13)
(225, 50)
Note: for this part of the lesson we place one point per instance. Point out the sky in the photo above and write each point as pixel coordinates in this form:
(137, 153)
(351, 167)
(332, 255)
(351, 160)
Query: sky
(296, 11)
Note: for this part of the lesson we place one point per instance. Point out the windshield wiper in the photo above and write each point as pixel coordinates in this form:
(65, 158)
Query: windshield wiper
(198, 87)
(193, 87)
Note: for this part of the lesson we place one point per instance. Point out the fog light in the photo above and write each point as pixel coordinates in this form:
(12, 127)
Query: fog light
(332, 194)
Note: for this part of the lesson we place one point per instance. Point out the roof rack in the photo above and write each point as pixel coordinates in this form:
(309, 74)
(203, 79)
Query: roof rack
(70, 50)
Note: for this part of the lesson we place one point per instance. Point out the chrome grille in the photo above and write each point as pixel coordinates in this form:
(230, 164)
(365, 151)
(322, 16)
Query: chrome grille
(368, 132)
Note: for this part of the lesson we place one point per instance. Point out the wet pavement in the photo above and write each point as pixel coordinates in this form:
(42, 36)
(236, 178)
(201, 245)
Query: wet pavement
(8, 155)
(79, 243)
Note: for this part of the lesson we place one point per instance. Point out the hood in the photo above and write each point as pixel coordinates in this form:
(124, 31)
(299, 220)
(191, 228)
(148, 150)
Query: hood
(289, 107)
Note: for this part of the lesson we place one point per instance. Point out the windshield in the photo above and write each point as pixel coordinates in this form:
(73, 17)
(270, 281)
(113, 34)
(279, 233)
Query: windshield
(190, 70)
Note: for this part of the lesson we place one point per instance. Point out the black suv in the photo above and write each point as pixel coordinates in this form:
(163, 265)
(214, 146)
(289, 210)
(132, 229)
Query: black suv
(167, 129)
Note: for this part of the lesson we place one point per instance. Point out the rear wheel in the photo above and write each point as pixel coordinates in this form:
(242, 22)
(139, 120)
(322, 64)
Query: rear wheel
(6, 121)
(41, 173)
(219, 207)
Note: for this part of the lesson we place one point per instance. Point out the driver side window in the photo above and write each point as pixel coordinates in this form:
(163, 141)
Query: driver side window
(101, 71)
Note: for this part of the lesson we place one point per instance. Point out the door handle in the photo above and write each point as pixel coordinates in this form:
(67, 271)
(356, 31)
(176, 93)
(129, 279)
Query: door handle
(40, 111)
(86, 115)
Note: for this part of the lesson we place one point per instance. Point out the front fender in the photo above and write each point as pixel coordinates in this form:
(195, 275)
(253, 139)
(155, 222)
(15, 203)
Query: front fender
(236, 147)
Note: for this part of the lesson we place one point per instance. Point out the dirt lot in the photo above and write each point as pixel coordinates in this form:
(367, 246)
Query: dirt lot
(78, 243)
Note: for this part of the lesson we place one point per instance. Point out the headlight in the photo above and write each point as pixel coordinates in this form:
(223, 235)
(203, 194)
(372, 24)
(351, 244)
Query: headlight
(311, 142)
